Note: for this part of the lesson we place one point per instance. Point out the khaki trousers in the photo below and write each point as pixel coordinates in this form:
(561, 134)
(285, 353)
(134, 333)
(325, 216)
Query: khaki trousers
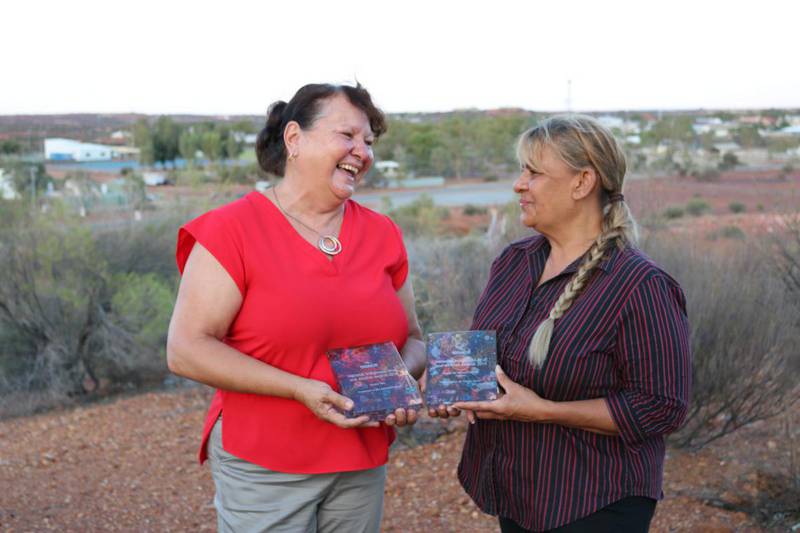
(251, 498)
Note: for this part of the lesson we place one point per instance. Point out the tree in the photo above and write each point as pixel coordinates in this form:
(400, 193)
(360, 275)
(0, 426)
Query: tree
(671, 128)
(211, 145)
(729, 161)
(28, 178)
(10, 147)
(232, 147)
(166, 138)
(748, 136)
(188, 145)
(143, 140)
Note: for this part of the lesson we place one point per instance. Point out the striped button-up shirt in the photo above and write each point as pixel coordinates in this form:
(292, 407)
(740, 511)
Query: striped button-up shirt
(625, 339)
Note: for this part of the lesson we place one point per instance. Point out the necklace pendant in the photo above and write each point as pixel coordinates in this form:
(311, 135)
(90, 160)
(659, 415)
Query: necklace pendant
(329, 245)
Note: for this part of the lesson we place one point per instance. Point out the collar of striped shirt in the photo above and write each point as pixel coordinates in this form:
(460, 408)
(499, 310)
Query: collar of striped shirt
(538, 249)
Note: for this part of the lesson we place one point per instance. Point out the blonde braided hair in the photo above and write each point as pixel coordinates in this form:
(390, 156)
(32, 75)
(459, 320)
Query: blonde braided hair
(581, 141)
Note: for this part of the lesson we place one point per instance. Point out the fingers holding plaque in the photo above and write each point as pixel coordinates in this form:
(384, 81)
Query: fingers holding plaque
(376, 379)
(461, 367)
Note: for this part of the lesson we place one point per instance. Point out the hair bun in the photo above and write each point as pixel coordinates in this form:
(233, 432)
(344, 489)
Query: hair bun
(269, 143)
(275, 117)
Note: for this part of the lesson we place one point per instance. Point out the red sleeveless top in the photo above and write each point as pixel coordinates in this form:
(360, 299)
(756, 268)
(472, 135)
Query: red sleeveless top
(296, 305)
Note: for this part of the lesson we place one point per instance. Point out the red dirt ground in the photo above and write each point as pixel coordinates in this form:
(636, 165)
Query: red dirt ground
(129, 465)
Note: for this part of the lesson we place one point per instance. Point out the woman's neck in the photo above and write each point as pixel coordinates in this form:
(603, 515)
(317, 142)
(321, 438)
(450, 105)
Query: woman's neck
(300, 199)
(570, 241)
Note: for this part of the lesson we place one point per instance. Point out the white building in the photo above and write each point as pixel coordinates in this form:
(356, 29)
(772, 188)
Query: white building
(69, 150)
(390, 169)
(613, 122)
(7, 189)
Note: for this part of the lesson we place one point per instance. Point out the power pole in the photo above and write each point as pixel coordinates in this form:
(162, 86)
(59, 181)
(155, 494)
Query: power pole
(33, 188)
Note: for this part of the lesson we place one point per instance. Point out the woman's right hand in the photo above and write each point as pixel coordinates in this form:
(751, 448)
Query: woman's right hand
(326, 404)
(438, 411)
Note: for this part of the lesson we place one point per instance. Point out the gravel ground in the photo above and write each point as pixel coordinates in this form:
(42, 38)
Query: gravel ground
(128, 464)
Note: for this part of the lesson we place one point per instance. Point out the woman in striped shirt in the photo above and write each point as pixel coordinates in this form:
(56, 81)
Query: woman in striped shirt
(593, 350)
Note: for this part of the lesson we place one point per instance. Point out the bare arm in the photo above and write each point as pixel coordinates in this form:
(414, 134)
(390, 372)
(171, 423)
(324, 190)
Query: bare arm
(522, 404)
(208, 300)
(414, 349)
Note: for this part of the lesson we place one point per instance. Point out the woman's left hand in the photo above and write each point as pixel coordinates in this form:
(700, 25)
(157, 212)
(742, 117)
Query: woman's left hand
(517, 403)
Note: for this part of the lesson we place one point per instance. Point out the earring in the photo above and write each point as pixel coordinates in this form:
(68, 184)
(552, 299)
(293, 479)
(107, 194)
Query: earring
(292, 156)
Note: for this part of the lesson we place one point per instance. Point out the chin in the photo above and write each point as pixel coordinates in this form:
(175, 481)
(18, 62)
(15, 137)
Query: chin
(526, 221)
(344, 190)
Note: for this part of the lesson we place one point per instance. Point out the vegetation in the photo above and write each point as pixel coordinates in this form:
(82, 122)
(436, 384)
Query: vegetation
(164, 141)
(737, 207)
(697, 207)
(674, 212)
(83, 311)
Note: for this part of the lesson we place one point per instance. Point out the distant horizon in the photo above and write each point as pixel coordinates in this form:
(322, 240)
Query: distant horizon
(432, 112)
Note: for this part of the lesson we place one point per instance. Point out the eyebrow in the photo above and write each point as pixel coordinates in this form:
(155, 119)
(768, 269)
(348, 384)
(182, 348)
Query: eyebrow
(531, 168)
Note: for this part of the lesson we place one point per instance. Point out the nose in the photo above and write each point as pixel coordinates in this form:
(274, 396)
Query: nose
(521, 183)
(362, 151)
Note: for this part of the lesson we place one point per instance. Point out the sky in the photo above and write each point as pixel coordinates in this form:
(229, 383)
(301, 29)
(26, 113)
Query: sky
(236, 57)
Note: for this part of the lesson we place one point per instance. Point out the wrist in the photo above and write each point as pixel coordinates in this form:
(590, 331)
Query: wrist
(548, 412)
(297, 388)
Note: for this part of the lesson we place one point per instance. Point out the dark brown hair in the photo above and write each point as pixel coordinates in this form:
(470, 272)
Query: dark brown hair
(304, 108)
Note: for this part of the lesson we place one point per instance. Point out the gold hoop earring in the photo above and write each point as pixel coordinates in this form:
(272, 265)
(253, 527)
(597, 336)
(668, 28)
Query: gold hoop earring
(292, 156)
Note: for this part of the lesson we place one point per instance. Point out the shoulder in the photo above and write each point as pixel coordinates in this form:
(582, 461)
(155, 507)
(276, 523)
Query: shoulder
(639, 273)
(230, 215)
(242, 207)
(635, 265)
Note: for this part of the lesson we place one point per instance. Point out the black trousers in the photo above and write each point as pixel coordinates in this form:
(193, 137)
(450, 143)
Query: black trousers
(628, 515)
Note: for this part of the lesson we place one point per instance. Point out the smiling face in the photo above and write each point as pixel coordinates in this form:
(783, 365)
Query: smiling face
(545, 186)
(336, 151)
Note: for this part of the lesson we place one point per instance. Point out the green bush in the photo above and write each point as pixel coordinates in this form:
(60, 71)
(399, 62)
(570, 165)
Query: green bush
(729, 161)
(732, 232)
(83, 310)
(674, 212)
(737, 207)
(470, 210)
(697, 207)
(420, 217)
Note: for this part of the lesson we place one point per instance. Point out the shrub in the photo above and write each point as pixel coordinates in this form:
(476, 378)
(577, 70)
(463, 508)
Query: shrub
(708, 174)
(243, 174)
(743, 334)
(420, 217)
(81, 312)
(449, 275)
(674, 212)
(737, 207)
(697, 207)
(728, 232)
(470, 210)
(786, 171)
(729, 161)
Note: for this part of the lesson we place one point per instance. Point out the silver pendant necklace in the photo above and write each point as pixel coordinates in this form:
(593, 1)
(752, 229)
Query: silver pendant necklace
(328, 244)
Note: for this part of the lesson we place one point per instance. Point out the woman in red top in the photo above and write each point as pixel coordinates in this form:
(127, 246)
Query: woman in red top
(270, 282)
